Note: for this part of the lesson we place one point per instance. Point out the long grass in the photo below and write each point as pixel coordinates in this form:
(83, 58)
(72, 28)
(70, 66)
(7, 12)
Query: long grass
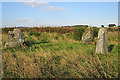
(54, 55)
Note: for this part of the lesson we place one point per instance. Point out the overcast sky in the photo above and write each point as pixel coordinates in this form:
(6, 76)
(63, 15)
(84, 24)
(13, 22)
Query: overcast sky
(59, 13)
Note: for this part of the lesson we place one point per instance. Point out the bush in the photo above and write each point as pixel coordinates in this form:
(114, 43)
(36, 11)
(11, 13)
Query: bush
(78, 32)
(102, 25)
(5, 30)
(95, 31)
(113, 29)
(34, 33)
(110, 29)
(31, 40)
(111, 25)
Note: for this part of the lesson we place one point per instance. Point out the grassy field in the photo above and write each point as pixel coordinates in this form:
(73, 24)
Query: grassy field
(54, 55)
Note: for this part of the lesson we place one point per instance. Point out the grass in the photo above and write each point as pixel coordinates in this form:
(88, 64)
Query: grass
(53, 55)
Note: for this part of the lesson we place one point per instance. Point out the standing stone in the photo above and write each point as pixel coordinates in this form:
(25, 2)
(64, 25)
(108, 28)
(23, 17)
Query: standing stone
(88, 35)
(15, 38)
(102, 42)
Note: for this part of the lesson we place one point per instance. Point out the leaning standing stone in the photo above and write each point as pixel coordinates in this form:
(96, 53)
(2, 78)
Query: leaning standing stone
(102, 42)
(88, 35)
(15, 38)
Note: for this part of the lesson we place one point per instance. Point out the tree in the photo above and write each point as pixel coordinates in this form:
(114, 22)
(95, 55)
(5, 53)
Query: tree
(111, 25)
(102, 25)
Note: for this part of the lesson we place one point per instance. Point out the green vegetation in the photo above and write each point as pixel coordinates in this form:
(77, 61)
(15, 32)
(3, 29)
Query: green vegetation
(5, 30)
(102, 25)
(34, 33)
(59, 55)
(78, 32)
(95, 31)
(111, 25)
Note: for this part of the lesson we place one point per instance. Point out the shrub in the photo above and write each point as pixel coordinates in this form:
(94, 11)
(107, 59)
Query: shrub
(25, 29)
(78, 32)
(95, 31)
(5, 30)
(31, 40)
(113, 29)
(102, 25)
(34, 33)
(111, 25)
(110, 29)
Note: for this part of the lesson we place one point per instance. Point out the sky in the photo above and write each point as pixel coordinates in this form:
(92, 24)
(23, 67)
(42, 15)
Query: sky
(119, 13)
(59, 13)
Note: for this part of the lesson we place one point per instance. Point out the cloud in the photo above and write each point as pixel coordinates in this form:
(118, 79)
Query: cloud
(45, 6)
(34, 4)
(53, 8)
(25, 20)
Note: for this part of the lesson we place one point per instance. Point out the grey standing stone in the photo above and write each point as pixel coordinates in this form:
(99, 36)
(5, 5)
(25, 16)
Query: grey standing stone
(102, 42)
(88, 35)
(15, 38)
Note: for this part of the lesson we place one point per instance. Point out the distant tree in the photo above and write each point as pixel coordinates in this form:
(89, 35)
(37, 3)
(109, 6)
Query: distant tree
(80, 26)
(102, 25)
(111, 25)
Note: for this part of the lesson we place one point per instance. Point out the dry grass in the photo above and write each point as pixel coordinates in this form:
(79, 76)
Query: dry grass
(62, 58)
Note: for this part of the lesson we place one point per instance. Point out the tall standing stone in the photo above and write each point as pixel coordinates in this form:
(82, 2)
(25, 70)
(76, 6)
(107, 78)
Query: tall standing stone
(102, 42)
(15, 38)
(88, 35)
